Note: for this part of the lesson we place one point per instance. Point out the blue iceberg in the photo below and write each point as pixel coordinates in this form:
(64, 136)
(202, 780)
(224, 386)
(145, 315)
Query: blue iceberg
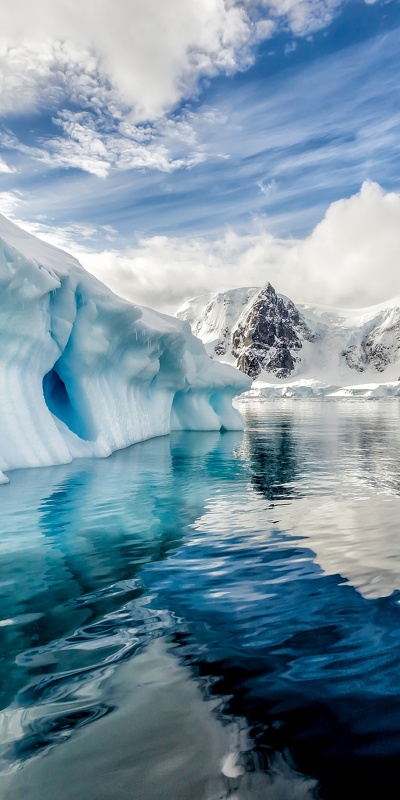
(84, 372)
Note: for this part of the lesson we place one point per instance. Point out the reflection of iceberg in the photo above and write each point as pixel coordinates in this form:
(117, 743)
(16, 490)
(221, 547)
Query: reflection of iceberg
(104, 534)
(84, 526)
(77, 609)
(200, 537)
(83, 372)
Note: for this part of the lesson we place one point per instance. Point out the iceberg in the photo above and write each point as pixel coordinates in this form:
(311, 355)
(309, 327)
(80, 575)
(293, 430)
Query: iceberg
(84, 373)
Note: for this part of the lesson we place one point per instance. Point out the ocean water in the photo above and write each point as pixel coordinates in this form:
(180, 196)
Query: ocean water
(208, 616)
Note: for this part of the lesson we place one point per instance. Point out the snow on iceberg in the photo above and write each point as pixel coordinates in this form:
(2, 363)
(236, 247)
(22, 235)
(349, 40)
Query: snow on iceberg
(84, 373)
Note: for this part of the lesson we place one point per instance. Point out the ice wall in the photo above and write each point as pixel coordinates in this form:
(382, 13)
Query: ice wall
(84, 373)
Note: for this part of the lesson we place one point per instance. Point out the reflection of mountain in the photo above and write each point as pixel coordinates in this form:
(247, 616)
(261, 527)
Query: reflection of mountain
(301, 655)
(81, 603)
(274, 460)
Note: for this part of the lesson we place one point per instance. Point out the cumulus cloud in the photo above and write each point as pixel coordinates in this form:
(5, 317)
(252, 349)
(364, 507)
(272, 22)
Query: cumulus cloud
(132, 62)
(152, 54)
(305, 16)
(350, 259)
(353, 255)
(98, 143)
(108, 73)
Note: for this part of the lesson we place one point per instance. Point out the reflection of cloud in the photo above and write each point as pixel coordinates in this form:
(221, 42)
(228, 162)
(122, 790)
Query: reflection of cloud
(355, 539)
(339, 471)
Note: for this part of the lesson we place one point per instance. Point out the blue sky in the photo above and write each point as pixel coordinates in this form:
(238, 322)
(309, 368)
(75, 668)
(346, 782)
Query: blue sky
(202, 140)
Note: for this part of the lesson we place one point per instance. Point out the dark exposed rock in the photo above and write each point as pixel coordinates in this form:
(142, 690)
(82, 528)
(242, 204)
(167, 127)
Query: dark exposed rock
(368, 354)
(270, 336)
(355, 358)
(379, 348)
(222, 346)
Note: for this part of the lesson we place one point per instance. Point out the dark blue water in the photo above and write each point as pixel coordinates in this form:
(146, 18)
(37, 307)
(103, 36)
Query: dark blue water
(263, 569)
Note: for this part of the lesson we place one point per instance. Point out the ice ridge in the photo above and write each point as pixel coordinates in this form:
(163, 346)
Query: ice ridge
(84, 372)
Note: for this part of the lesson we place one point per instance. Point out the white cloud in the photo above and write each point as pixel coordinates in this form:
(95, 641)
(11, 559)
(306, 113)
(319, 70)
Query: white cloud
(98, 143)
(149, 54)
(69, 238)
(268, 187)
(126, 64)
(43, 73)
(350, 259)
(304, 16)
(5, 167)
(353, 255)
(9, 203)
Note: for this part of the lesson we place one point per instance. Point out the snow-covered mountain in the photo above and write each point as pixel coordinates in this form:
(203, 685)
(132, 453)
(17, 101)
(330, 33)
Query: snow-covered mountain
(83, 372)
(313, 349)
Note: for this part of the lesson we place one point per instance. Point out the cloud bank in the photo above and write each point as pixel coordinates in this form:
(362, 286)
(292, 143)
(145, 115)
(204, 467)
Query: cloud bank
(146, 56)
(351, 259)
(108, 72)
(151, 53)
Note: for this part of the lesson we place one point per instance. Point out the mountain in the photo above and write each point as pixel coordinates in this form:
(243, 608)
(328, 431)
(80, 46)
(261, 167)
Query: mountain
(84, 373)
(281, 343)
(269, 335)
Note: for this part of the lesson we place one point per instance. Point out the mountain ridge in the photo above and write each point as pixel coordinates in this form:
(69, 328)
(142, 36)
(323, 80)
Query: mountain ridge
(277, 341)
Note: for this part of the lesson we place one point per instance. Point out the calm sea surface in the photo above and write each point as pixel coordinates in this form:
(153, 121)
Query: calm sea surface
(207, 616)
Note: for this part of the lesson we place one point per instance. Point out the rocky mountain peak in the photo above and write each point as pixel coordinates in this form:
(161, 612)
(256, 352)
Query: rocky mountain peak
(270, 335)
(266, 335)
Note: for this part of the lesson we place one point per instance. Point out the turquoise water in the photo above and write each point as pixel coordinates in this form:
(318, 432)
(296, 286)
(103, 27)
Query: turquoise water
(208, 615)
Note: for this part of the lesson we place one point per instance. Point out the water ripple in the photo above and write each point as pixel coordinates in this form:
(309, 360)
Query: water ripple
(269, 563)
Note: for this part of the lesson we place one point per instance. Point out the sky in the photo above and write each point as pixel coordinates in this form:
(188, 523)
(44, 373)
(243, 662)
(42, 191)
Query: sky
(179, 147)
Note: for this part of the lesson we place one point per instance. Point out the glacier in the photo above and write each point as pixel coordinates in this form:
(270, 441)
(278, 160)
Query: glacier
(84, 373)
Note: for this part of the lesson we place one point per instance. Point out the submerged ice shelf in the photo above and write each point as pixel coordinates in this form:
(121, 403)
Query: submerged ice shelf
(84, 373)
